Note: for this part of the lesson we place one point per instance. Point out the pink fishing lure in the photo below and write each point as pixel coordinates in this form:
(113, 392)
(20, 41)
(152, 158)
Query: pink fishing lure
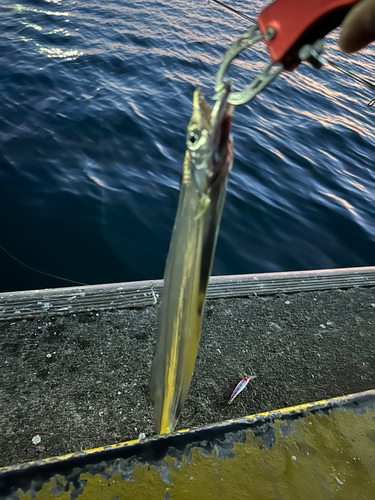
(240, 387)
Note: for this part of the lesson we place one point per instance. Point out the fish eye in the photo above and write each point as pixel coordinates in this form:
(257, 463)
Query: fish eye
(193, 139)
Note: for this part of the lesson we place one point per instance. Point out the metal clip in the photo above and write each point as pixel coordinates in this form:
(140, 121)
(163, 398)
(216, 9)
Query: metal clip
(284, 26)
(248, 39)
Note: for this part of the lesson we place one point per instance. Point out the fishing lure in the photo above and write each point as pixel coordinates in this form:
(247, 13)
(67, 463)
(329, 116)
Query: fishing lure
(240, 387)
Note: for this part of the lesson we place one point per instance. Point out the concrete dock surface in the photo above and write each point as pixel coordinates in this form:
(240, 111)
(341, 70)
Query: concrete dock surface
(77, 381)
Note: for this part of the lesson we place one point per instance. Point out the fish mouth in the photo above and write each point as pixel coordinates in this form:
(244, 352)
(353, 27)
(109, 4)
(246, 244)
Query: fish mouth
(221, 122)
(212, 154)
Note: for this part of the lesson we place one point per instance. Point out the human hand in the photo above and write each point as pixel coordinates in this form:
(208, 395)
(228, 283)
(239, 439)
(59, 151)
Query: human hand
(358, 27)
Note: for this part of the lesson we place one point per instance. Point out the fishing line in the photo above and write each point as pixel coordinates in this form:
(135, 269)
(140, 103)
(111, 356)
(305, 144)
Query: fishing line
(241, 14)
(355, 77)
(38, 270)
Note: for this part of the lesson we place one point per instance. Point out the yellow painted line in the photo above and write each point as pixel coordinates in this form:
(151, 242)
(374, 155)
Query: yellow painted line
(307, 406)
(76, 454)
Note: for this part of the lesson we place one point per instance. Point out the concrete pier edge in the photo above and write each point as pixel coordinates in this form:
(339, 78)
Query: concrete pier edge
(31, 303)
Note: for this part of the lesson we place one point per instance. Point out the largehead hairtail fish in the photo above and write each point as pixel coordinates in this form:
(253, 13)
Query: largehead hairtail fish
(208, 159)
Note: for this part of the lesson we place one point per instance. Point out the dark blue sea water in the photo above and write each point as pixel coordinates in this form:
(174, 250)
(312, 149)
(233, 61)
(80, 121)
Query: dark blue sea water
(95, 98)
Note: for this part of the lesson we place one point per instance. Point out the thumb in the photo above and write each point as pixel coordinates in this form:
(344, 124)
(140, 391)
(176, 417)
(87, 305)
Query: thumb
(358, 28)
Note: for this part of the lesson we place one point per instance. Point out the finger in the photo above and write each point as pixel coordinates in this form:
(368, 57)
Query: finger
(358, 28)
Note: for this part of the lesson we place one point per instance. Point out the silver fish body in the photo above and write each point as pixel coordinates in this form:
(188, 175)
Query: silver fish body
(208, 160)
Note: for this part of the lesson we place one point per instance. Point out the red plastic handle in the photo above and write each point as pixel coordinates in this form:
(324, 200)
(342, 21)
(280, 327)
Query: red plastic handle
(297, 22)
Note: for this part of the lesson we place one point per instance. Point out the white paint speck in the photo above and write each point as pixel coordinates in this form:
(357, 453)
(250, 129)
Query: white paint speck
(322, 326)
(49, 355)
(36, 439)
(338, 480)
(329, 323)
(218, 350)
(119, 392)
(101, 413)
(294, 458)
(287, 302)
(142, 435)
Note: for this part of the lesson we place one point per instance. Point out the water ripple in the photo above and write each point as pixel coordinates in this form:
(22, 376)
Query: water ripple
(95, 99)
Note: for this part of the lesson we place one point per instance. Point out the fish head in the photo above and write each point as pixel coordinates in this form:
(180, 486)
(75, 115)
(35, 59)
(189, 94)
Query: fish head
(208, 140)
